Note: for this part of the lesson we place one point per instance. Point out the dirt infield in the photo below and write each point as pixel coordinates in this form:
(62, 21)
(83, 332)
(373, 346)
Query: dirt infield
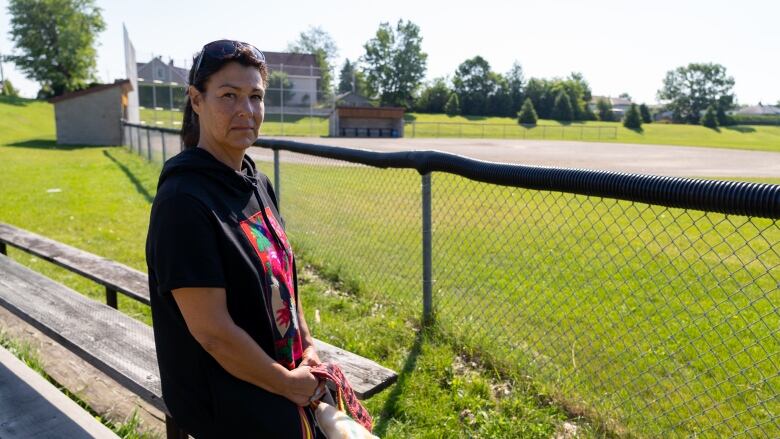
(683, 161)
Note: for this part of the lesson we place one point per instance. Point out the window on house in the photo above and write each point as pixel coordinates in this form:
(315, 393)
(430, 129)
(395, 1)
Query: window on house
(159, 73)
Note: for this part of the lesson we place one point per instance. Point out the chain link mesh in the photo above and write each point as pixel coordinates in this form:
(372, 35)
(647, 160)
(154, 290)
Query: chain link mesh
(652, 321)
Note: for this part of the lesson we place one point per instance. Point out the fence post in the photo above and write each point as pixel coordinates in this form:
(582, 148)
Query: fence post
(162, 136)
(414, 129)
(138, 133)
(276, 179)
(483, 130)
(544, 131)
(426, 250)
(148, 144)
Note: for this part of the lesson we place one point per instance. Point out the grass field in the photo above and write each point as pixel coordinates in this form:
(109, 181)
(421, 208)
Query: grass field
(647, 320)
(103, 207)
(761, 138)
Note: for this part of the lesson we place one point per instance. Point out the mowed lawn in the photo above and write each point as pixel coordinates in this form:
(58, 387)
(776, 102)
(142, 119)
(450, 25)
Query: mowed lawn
(653, 320)
(761, 138)
(98, 199)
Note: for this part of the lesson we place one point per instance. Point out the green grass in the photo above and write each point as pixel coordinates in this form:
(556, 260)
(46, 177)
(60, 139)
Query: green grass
(761, 138)
(103, 207)
(646, 320)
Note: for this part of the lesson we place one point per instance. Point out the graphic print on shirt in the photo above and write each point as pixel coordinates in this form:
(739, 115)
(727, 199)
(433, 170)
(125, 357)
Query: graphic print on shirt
(278, 268)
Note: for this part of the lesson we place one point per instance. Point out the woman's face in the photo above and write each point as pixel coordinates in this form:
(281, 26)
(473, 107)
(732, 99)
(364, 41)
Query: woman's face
(231, 109)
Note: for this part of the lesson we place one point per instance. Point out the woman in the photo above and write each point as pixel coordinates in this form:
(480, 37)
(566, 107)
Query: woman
(233, 346)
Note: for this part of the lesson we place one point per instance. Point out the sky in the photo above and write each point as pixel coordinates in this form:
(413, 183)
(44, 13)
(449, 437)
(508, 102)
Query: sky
(619, 46)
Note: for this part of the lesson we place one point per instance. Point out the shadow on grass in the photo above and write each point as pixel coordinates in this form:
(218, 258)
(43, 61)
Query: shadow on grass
(50, 144)
(740, 129)
(391, 406)
(133, 179)
(19, 102)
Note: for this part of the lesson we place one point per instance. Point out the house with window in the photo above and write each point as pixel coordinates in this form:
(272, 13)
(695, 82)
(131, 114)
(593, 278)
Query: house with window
(161, 84)
(619, 105)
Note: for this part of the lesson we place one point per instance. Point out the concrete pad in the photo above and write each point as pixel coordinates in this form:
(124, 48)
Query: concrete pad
(678, 161)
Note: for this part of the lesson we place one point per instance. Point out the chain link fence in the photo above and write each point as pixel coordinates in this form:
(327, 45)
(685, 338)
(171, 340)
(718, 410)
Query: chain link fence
(509, 131)
(648, 305)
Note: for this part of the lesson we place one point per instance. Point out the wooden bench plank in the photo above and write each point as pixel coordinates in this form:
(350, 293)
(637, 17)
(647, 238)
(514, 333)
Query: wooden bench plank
(55, 308)
(118, 345)
(30, 406)
(113, 275)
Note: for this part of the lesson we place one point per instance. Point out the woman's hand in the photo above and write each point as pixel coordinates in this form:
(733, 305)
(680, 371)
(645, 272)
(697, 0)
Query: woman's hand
(310, 357)
(300, 386)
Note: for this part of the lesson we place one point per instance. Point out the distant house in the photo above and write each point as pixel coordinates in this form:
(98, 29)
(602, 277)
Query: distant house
(758, 110)
(304, 76)
(92, 116)
(163, 85)
(350, 99)
(158, 70)
(619, 105)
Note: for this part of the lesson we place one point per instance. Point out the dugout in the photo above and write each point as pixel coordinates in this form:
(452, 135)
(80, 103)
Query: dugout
(367, 122)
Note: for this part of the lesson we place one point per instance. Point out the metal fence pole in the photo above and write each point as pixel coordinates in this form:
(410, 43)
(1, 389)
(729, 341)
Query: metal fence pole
(138, 133)
(162, 136)
(148, 144)
(426, 250)
(276, 179)
(281, 97)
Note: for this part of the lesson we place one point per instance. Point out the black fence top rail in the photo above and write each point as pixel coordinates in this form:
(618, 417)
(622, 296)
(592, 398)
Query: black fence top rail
(729, 197)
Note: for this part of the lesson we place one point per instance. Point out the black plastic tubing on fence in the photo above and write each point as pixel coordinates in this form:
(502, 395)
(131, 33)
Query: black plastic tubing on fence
(729, 197)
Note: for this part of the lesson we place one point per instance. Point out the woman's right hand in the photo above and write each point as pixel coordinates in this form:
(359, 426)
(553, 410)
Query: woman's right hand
(300, 385)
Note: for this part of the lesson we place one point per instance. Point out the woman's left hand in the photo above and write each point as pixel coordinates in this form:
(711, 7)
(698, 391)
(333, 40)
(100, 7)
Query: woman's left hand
(310, 357)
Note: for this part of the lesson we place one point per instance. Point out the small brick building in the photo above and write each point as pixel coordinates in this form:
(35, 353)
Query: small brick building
(367, 122)
(92, 116)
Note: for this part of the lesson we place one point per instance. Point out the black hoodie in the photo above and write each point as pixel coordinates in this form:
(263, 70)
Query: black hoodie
(209, 228)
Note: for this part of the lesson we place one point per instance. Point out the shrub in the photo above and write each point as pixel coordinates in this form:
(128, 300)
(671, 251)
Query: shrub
(605, 110)
(562, 110)
(632, 119)
(452, 107)
(645, 113)
(9, 90)
(710, 118)
(527, 114)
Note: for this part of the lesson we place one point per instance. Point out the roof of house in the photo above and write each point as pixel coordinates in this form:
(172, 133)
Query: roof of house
(759, 110)
(290, 59)
(182, 74)
(612, 101)
(124, 83)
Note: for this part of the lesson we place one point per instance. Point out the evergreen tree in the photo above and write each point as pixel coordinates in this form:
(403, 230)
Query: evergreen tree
(346, 77)
(452, 107)
(723, 118)
(710, 118)
(8, 89)
(645, 113)
(632, 119)
(605, 110)
(527, 114)
(562, 110)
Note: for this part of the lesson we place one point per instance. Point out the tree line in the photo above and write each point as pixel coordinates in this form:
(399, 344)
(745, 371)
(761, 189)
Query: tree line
(55, 42)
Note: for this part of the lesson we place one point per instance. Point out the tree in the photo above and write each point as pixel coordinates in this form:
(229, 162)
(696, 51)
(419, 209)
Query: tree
(353, 80)
(474, 83)
(452, 107)
(710, 118)
(605, 110)
(625, 95)
(317, 41)
(539, 91)
(724, 103)
(632, 119)
(434, 97)
(8, 89)
(527, 114)
(645, 113)
(55, 41)
(563, 111)
(689, 90)
(515, 80)
(395, 63)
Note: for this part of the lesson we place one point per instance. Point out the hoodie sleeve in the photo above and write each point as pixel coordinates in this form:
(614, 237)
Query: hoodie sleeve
(183, 247)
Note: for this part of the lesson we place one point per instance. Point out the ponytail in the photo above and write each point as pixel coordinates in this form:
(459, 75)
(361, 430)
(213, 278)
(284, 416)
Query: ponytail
(190, 126)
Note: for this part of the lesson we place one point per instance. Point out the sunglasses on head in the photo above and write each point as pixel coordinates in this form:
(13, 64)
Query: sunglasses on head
(225, 49)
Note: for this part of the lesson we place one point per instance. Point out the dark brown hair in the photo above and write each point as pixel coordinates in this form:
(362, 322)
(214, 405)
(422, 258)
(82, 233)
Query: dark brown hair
(190, 125)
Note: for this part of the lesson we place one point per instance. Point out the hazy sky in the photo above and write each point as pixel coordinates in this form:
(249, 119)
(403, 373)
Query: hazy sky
(620, 46)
